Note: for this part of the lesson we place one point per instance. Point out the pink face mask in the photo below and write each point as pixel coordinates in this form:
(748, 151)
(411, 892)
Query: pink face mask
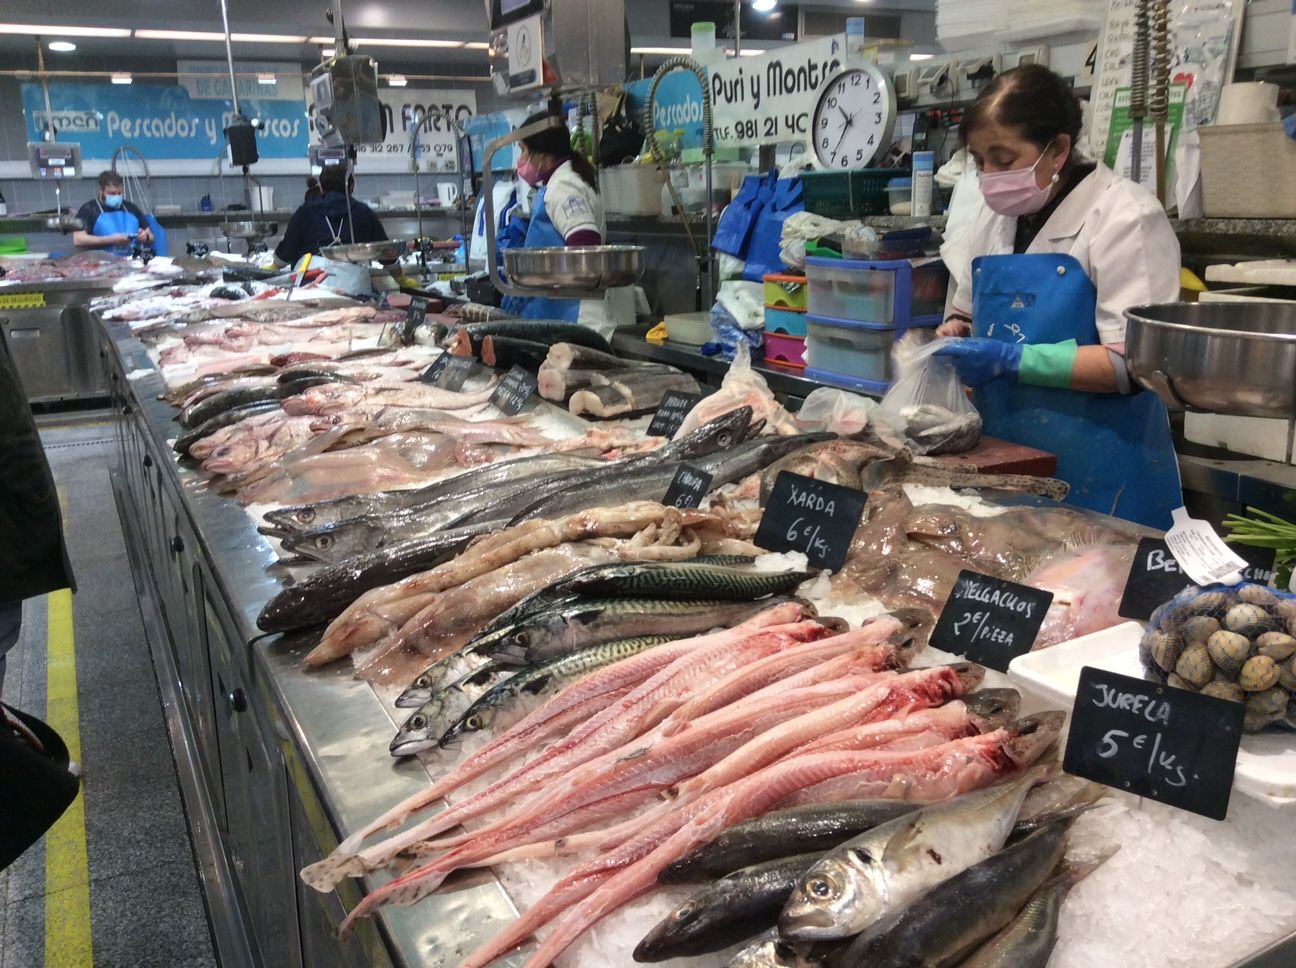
(528, 172)
(1014, 192)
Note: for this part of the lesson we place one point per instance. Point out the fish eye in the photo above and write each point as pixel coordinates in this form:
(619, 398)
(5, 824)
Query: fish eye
(324, 542)
(724, 437)
(307, 516)
(686, 910)
(522, 638)
(422, 682)
(474, 722)
(417, 722)
(820, 888)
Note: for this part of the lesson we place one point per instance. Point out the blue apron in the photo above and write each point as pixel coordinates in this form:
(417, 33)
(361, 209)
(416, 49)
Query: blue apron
(114, 221)
(541, 234)
(1115, 451)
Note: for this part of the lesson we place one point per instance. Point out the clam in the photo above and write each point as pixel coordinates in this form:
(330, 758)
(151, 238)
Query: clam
(1229, 650)
(1248, 620)
(1287, 675)
(1277, 645)
(1209, 603)
(1257, 595)
(1179, 682)
(1286, 609)
(1254, 723)
(1223, 689)
(1163, 648)
(1195, 666)
(1259, 673)
(1263, 708)
(1198, 629)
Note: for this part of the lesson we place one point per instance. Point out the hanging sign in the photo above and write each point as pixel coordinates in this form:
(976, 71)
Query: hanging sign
(1172, 745)
(990, 620)
(208, 80)
(402, 109)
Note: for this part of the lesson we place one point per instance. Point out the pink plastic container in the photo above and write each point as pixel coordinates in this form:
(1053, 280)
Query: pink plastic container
(784, 349)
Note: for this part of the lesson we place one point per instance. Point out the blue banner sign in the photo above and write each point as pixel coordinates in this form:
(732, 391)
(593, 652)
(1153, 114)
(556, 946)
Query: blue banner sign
(161, 121)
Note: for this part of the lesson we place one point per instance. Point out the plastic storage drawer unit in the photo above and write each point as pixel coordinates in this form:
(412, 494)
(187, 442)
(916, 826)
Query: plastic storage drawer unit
(849, 352)
(786, 292)
(785, 321)
(785, 349)
(896, 293)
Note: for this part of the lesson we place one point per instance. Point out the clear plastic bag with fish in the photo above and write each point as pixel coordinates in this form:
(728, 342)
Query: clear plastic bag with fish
(1233, 642)
(929, 404)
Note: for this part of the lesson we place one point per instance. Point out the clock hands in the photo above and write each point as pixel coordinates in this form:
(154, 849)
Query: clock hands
(850, 120)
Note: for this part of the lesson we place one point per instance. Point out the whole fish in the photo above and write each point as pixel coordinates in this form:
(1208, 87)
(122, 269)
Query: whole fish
(593, 621)
(335, 543)
(681, 579)
(819, 826)
(938, 929)
(880, 473)
(218, 403)
(445, 674)
(226, 419)
(771, 950)
(877, 874)
(549, 332)
(422, 727)
(737, 906)
(1027, 942)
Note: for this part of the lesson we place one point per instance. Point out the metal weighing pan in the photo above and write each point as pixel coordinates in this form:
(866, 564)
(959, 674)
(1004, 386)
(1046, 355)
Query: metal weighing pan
(250, 230)
(590, 269)
(365, 252)
(1228, 357)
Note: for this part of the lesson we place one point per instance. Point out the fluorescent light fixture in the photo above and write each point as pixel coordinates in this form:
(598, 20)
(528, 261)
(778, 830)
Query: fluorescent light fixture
(403, 42)
(397, 80)
(764, 6)
(216, 35)
(267, 39)
(477, 45)
(664, 51)
(62, 46)
(121, 77)
(326, 41)
(266, 79)
(38, 30)
(921, 57)
(327, 52)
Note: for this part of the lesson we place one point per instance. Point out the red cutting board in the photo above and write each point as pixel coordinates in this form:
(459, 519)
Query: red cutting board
(994, 456)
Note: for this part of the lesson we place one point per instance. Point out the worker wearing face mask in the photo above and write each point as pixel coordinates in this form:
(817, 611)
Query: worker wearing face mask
(1060, 251)
(566, 211)
(111, 223)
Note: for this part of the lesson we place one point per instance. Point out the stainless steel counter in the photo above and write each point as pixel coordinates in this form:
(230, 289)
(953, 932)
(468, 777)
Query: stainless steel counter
(53, 341)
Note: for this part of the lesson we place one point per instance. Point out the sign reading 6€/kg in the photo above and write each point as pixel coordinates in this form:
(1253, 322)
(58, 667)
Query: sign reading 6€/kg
(813, 517)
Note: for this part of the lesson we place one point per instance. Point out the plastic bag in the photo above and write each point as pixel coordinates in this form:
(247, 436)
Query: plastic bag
(930, 404)
(836, 411)
(729, 333)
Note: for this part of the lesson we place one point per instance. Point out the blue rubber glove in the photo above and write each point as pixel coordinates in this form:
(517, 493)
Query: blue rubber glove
(980, 361)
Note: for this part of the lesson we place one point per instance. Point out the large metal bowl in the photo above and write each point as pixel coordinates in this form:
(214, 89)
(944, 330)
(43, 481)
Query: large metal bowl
(591, 269)
(1223, 357)
(250, 230)
(365, 252)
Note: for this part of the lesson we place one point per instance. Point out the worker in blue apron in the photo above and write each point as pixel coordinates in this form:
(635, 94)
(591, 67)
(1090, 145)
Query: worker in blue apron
(1059, 252)
(566, 211)
(111, 223)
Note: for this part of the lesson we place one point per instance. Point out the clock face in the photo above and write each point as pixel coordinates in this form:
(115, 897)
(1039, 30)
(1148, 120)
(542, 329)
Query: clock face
(854, 119)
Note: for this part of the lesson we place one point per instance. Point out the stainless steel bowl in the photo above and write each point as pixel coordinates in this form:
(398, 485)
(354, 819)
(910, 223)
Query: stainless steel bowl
(250, 230)
(366, 252)
(1222, 357)
(587, 269)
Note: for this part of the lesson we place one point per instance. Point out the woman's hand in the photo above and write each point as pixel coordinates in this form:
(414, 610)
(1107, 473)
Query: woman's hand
(146, 235)
(954, 326)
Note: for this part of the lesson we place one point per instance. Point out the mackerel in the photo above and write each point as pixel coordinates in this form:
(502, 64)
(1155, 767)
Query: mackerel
(681, 579)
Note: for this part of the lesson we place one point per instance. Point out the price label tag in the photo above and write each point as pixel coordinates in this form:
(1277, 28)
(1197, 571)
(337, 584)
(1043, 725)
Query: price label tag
(814, 517)
(1156, 577)
(688, 488)
(671, 412)
(1172, 745)
(448, 371)
(1202, 554)
(414, 318)
(515, 391)
(989, 620)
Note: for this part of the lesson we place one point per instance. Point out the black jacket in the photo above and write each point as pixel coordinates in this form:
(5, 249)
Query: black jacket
(314, 225)
(33, 557)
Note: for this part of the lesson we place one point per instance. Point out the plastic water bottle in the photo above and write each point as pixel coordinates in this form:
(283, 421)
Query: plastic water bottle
(924, 174)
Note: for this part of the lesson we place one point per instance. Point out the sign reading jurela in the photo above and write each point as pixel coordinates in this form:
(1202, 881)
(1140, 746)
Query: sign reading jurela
(989, 620)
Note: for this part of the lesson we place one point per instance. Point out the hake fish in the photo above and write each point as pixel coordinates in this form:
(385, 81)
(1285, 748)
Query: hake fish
(877, 874)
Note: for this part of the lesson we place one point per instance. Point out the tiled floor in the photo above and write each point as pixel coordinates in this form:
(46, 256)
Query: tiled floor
(145, 905)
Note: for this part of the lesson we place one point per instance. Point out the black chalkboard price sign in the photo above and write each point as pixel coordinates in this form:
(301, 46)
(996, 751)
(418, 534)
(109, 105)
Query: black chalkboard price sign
(1156, 577)
(813, 517)
(515, 391)
(1172, 745)
(675, 406)
(688, 488)
(448, 371)
(989, 620)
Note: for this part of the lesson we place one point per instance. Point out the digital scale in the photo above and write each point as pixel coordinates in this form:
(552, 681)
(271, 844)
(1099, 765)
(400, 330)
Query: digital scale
(52, 159)
(344, 90)
(324, 156)
(556, 46)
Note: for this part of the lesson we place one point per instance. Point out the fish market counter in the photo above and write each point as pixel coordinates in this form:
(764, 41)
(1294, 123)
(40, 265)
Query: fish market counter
(53, 339)
(273, 761)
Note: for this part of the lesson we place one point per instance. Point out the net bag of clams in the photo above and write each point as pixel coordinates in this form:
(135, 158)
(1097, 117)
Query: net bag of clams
(1233, 642)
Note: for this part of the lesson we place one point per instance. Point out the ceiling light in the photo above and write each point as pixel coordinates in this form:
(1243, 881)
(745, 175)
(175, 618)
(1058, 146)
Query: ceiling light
(477, 45)
(179, 35)
(327, 52)
(265, 79)
(397, 80)
(665, 51)
(62, 46)
(764, 6)
(403, 42)
(267, 39)
(921, 57)
(327, 41)
(37, 30)
(121, 78)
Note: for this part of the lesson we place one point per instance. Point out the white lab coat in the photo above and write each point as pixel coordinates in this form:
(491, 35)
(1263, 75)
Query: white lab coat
(1114, 228)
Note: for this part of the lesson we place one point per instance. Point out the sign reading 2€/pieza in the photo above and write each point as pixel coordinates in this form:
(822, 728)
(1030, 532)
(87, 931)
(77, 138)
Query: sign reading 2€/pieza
(1172, 745)
(989, 620)
(813, 517)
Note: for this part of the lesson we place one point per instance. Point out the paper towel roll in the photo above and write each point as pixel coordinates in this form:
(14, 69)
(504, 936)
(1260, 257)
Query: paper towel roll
(1254, 103)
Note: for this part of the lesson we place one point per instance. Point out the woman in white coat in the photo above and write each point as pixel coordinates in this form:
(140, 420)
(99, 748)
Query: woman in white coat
(1061, 250)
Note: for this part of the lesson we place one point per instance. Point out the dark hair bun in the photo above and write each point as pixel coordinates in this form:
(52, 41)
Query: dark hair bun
(1033, 100)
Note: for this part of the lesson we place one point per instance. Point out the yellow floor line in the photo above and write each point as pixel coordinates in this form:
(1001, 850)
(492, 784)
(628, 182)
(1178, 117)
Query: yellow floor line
(67, 872)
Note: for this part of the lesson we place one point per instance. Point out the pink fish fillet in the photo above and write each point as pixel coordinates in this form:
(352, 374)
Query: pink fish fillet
(594, 890)
(598, 690)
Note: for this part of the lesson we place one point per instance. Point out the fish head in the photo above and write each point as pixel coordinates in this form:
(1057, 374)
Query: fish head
(771, 951)
(418, 693)
(916, 624)
(292, 519)
(993, 709)
(719, 434)
(754, 429)
(477, 718)
(337, 542)
(1029, 738)
(838, 897)
(969, 675)
(418, 733)
(660, 943)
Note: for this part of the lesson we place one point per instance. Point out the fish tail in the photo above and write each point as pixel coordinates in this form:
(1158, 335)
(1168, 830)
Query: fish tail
(406, 889)
(564, 894)
(1071, 873)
